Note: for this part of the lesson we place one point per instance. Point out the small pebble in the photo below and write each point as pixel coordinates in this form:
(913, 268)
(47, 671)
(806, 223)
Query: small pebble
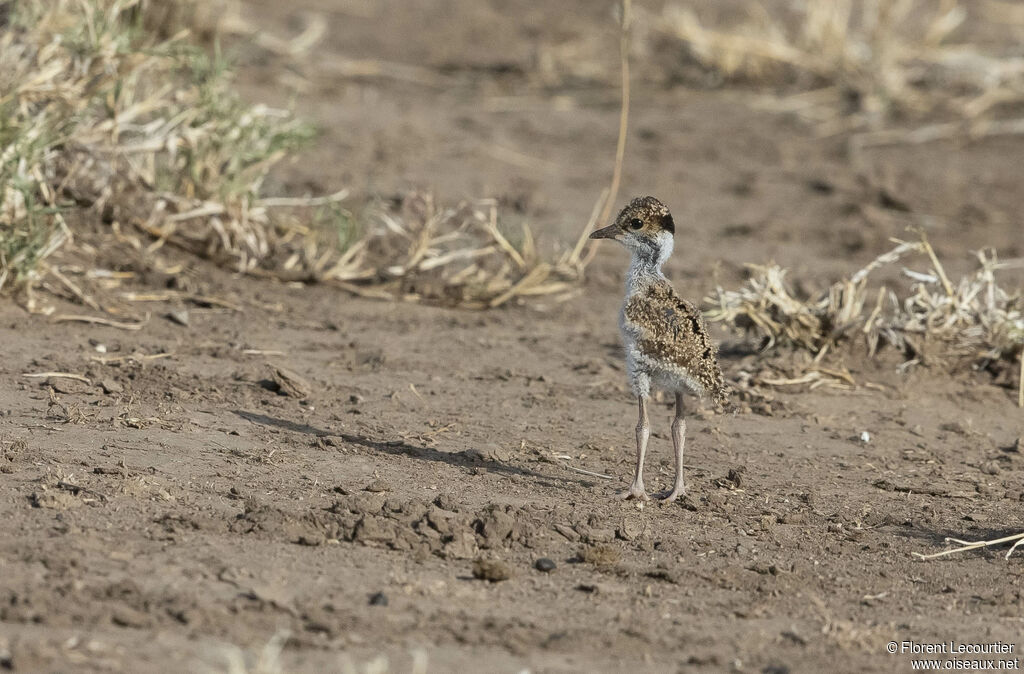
(110, 386)
(545, 564)
(378, 599)
(180, 317)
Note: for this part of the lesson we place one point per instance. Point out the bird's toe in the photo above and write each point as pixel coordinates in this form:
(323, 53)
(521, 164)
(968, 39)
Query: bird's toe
(670, 496)
(635, 492)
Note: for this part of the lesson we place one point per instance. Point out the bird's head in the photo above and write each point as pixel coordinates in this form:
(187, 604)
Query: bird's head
(645, 226)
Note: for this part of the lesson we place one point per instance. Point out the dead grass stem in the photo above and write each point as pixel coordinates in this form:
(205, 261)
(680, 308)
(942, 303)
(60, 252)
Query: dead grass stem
(620, 148)
(1016, 539)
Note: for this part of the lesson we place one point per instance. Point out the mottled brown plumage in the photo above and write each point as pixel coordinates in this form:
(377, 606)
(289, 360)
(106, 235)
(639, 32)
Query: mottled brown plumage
(672, 331)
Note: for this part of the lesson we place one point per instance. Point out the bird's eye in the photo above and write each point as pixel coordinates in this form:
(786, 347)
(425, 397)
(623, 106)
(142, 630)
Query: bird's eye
(635, 224)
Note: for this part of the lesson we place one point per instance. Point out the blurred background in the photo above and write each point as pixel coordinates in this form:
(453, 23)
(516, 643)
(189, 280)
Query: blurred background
(834, 124)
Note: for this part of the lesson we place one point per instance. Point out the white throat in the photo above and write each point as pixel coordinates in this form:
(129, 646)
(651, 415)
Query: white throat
(647, 260)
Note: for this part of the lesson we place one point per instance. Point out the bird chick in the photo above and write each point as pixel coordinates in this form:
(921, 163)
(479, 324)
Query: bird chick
(666, 339)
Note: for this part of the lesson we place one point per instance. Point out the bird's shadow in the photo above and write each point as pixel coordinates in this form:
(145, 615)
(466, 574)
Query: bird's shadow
(466, 459)
(264, 420)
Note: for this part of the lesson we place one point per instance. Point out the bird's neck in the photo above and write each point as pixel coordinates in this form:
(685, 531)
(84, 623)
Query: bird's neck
(646, 263)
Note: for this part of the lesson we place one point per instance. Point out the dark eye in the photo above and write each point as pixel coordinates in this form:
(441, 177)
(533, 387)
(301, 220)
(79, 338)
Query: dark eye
(635, 223)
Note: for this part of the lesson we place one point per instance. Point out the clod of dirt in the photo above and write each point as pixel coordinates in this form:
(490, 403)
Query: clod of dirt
(65, 385)
(630, 530)
(461, 545)
(797, 517)
(595, 534)
(365, 502)
(601, 554)
(718, 501)
(377, 487)
(445, 502)
(494, 525)
(733, 479)
(378, 599)
(764, 569)
(495, 453)
(374, 531)
(569, 533)
(492, 570)
(110, 386)
(545, 565)
(57, 500)
(290, 383)
(440, 521)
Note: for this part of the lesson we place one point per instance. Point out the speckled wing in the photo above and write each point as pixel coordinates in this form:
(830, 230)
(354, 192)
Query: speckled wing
(671, 330)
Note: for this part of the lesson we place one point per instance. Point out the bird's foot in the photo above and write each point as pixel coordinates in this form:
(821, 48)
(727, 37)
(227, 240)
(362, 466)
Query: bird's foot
(671, 495)
(636, 490)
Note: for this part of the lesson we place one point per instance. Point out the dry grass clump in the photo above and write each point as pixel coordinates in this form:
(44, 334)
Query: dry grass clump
(116, 132)
(416, 250)
(935, 319)
(101, 121)
(860, 63)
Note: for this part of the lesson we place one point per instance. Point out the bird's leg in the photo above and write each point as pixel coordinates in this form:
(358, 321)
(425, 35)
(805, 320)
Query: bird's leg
(643, 434)
(678, 438)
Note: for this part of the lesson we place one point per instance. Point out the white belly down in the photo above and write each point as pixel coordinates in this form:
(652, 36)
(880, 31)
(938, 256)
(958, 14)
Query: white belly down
(646, 373)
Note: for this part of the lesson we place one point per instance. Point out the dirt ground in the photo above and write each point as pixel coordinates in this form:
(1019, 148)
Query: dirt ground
(186, 507)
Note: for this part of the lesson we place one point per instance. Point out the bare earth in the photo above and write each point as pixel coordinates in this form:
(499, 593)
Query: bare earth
(175, 512)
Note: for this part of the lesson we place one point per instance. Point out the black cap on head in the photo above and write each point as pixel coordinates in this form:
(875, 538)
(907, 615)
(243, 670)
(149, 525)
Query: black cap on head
(644, 216)
(651, 212)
